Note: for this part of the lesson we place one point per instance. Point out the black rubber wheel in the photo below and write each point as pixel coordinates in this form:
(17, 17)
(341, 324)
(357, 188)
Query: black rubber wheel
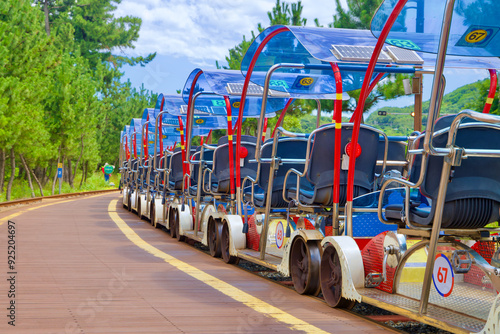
(129, 201)
(152, 214)
(331, 279)
(177, 227)
(171, 220)
(225, 238)
(214, 233)
(139, 207)
(304, 266)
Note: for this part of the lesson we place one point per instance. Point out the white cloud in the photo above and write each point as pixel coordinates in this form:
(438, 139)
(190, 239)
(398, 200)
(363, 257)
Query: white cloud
(204, 30)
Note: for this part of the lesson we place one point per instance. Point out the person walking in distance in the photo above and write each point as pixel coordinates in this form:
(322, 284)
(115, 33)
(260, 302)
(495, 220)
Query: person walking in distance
(107, 169)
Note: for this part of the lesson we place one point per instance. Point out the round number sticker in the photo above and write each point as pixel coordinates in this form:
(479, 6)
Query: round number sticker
(236, 104)
(443, 276)
(280, 235)
(306, 81)
(476, 36)
(200, 121)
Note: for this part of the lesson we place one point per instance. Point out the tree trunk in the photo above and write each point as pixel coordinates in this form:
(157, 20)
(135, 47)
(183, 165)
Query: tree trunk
(70, 176)
(2, 169)
(49, 172)
(20, 172)
(33, 173)
(78, 161)
(12, 173)
(43, 176)
(25, 166)
(65, 177)
(83, 174)
(86, 170)
(46, 12)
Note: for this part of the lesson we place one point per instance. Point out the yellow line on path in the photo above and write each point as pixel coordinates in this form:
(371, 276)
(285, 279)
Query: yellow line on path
(3, 220)
(226, 288)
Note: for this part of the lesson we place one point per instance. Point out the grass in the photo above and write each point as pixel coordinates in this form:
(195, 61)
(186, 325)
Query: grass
(21, 189)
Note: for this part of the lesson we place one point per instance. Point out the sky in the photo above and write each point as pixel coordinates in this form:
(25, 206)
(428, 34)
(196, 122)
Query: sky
(187, 34)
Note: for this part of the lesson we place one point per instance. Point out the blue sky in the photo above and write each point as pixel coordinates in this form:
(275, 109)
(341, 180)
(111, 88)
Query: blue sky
(187, 34)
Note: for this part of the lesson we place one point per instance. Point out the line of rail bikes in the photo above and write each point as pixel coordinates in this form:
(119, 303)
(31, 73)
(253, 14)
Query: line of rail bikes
(402, 223)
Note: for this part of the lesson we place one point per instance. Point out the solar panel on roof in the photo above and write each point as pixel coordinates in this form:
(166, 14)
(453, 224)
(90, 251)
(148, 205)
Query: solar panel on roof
(403, 56)
(170, 121)
(252, 90)
(358, 53)
(198, 110)
(237, 88)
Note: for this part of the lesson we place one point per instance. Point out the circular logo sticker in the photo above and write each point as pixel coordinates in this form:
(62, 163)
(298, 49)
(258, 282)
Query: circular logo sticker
(306, 81)
(200, 121)
(280, 235)
(476, 36)
(236, 104)
(443, 276)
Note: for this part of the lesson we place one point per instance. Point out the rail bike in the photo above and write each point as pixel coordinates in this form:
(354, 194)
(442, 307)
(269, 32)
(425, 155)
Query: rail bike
(450, 194)
(398, 222)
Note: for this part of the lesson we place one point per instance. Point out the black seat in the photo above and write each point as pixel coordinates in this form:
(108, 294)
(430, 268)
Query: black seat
(473, 193)
(287, 148)
(220, 175)
(321, 163)
(396, 151)
(134, 165)
(208, 156)
(176, 172)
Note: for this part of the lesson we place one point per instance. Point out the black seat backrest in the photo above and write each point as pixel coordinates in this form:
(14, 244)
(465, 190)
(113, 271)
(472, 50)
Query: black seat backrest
(244, 138)
(208, 156)
(396, 151)
(473, 193)
(321, 163)
(288, 148)
(221, 162)
(441, 123)
(176, 172)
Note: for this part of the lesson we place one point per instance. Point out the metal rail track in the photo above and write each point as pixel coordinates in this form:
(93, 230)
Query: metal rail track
(39, 199)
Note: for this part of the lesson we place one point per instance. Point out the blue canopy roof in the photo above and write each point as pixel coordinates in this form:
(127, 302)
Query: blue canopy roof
(313, 47)
(125, 133)
(474, 27)
(220, 83)
(136, 126)
(176, 107)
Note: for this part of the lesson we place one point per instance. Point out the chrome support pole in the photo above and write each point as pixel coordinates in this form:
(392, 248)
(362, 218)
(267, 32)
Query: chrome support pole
(272, 167)
(443, 185)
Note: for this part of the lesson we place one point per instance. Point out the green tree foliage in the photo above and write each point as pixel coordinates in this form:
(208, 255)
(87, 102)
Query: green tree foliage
(26, 56)
(281, 14)
(398, 121)
(477, 101)
(358, 15)
(61, 98)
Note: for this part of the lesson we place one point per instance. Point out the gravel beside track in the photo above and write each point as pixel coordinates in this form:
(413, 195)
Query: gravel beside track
(412, 327)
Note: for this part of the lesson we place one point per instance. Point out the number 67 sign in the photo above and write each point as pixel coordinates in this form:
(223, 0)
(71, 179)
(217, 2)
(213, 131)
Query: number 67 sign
(443, 276)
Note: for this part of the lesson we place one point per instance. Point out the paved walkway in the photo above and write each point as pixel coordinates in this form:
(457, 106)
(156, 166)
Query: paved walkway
(88, 266)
